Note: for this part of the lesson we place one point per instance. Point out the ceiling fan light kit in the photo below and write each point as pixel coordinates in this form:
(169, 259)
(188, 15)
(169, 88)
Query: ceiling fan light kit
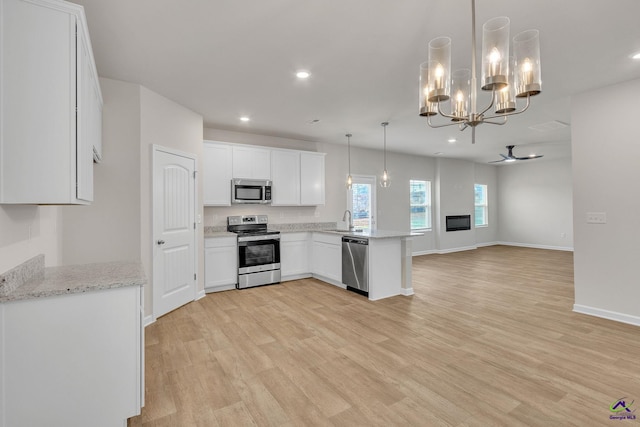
(507, 75)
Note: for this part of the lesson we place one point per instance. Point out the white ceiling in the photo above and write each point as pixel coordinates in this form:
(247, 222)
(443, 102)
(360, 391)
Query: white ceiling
(227, 58)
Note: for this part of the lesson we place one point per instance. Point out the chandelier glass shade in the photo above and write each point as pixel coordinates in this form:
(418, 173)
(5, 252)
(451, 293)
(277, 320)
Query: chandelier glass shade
(508, 72)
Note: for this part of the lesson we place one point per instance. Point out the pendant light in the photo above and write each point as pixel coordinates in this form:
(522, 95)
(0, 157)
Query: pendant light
(349, 179)
(384, 182)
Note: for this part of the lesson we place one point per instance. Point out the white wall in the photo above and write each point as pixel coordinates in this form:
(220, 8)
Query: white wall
(27, 231)
(606, 156)
(109, 228)
(535, 203)
(454, 196)
(165, 123)
(117, 226)
(488, 175)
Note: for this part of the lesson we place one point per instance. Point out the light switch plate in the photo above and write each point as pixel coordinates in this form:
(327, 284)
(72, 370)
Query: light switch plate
(596, 217)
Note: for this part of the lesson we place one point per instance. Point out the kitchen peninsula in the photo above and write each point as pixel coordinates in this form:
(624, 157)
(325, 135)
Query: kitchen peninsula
(315, 250)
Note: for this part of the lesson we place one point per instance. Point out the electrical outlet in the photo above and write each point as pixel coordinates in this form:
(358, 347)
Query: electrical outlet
(596, 217)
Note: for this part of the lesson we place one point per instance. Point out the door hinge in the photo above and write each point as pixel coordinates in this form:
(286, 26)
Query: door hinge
(194, 225)
(194, 174)
(194, 276)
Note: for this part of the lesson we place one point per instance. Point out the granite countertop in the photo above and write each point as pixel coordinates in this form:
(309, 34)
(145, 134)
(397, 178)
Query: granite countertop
(322, 227)
(76, 279)
(375, 234)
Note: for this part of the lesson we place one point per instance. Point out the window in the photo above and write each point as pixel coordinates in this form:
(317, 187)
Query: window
(420, 195)
(481, 205)
(361, 202)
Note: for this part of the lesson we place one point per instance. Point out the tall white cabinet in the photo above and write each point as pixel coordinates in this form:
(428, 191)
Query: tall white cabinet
(217, 174)
(50, 106)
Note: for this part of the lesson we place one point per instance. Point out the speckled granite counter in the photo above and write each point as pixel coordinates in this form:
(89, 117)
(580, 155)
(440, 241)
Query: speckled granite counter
(374, 234)
(73, 279)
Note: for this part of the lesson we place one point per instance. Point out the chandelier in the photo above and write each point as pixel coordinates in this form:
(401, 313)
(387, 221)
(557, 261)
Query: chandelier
(507, 75)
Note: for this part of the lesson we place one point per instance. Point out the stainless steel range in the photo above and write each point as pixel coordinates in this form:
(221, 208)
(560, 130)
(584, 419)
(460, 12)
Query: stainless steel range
(258, 250)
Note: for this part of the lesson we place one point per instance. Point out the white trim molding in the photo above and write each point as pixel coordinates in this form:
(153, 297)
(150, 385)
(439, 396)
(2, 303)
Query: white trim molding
(533, 246)
(606, 314)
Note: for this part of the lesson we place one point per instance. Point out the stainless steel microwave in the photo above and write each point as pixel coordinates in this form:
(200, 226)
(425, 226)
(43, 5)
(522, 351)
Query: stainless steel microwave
(250, 191)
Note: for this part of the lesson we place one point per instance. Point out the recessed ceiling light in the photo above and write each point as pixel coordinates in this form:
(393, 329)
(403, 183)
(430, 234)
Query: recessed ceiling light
(635, 56)
(451, 140)
(244, 119)
(303, 74)
(439, 153)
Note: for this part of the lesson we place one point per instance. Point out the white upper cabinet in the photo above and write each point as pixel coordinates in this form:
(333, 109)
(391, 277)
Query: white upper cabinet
(285, 173)
(311, 178)
(47, 75)
(298, 177)
(251, 163)
(217, 174)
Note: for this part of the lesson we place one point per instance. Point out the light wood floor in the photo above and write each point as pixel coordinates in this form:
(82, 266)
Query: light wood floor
(488, 339)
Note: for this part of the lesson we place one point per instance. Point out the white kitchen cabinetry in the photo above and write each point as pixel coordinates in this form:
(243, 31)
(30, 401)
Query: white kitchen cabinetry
(47, 74)
(311, 178)
(72, 360)
(217, 174)
(285, 173)
(298, 178)
(294, 255)
(251, 162)
(220, 263)
(326, 262)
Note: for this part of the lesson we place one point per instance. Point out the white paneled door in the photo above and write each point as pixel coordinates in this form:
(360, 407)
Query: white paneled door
(174, 265)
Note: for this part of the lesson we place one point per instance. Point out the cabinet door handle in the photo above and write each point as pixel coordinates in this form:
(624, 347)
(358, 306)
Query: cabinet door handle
(160, 242)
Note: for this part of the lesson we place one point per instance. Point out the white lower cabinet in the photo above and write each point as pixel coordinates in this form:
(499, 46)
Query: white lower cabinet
(220, 263)
(72, 360)
(294, 255)
(326, 257)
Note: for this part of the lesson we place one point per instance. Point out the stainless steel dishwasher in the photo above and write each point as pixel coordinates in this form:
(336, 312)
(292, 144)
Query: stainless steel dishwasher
(355, 264)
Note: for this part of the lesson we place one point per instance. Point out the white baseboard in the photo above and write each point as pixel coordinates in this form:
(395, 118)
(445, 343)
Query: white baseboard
(407, 291)
(533, 246)
(460, 249)
(329, 281)
(606, 314)
(148, 320)
(219, 288)
(418, 253)
(484, 244)
(295, 277)
(200, 294)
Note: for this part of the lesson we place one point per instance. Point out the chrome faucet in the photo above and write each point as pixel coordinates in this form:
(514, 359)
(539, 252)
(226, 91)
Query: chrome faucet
(344, 218)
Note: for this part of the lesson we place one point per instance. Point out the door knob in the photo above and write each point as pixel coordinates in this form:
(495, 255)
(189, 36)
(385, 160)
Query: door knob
(160, 242)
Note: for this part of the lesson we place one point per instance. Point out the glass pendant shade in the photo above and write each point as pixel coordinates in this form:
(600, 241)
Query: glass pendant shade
(349, 181)
(495, 53)
(385, 181)
(461, 91)
(505, 101)
(426, 108)
(526, 50)
(439, 69)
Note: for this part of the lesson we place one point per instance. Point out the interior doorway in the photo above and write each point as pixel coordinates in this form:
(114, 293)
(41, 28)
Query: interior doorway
(174, 234)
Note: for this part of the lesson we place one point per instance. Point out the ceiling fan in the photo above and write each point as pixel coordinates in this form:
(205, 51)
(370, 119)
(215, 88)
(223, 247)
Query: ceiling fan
(509, 157)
